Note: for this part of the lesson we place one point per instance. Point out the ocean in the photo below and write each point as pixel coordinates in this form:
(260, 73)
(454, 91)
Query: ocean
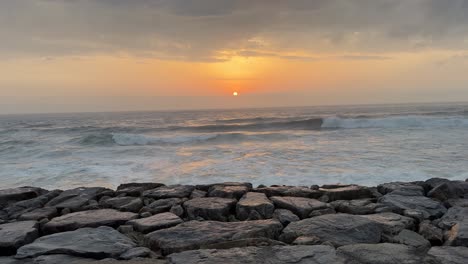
(365, 145)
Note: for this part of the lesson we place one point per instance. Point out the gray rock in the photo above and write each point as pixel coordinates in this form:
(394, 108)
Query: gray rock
(357, 207)
(338, 229)
(390, 222)
(195, 234)
(257, 202)
(92, 218)
(431, 233)
(206, 187)
(137, 252)
(74, 199)
(324, 211)
(40, 213)
(145, 214)
(155, 222)
(449, 190)
(456, 202)
(62, 259)
(307, 240)
(384, 253)
(301, 206)
(411, 238)
(99, 243)
(232, 192)
(453, 216)
(161, 206)
(173, 191)
(210, 208)
(401, 188)
(177, 210)
(198, 194)
(289, 191)
(285, 216)
(11, 260)
(432, 209)
(126, 204)
(252, 255)
(25, 206)
(16, 234)
(449, 255)
(458, 235)
(8, 196)
(347, 192)
(136, 189)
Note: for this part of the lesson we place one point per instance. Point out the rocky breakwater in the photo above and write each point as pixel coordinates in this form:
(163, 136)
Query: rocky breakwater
(398, 222)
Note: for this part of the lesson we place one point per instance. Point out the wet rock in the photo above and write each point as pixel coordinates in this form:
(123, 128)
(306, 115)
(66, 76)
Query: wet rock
(232, 192)
(449, 255)
(161, 206)
(195, 234)
(210, 208)
(99, 243)
(92, 218)
(16, 234)
(40, 213)
(454, 215)
(155, 222)
(357, 207)
(74, 199)
(285, 216)
(138, 252)
(432, 209)
(302, 207)
(458, 234)
(136, 189)
(413, 239)
(8, 196)
(338, 229)
(254, 202)
(252, 255)
(384, 253)
(289, 191)
(173, 191)
(431, 233)
(347, 192)
(198, 194)
(25, 206)
(401, 188)
(126, 204)
(449, 190)
(390, 222)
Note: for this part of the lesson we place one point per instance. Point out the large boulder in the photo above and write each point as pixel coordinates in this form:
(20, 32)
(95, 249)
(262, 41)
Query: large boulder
(155, 222)
(99, 243)
(91, 218)
(289, 191)
(285, 216)
(458, 234)
(22, 207)
(449, 255)
(16, 234)
(62, 259)
(399, 203)
(384, 253)
(8, 196)
(299, 205)
(160, 206)
(197, 234)
(449, 190)
(172, 191)
(411, 238)
(136, 188)
(338, 229)
(357, 207)
(432, 233)
(401, 188)
(453, 216)
(210, 208)
(350, 192)
(207, 187)
(40, 213)
(253, 203)
(252, 255)
(75, 199)
(226, 191)
(125, 204)
(391, 223)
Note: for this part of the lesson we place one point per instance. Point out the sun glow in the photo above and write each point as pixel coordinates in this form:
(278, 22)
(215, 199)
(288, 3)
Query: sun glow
(235, 93)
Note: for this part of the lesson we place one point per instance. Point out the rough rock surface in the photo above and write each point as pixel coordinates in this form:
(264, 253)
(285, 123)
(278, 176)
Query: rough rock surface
(74, 199)
(347, 192)
(432, 233)
(12, 195)
(289, 191)
(401, 188)
(155, 222)
(410, 238)
(458, 235)
(285, 216)
(338, 229)
(449, 255)
(160, 206)
(384, 253)
(223, 191)
(358, 207)
(136, 188)
(40, 213)
(22, 207)
(210, 208)
(430, 208)
(453, 216)
(126, 204)
(302, 207)
(254, 202)
(391, 223)
(91, 218)
(172, 191)
(449, 190)
(98, 243)
(16, 234)
(195, 234)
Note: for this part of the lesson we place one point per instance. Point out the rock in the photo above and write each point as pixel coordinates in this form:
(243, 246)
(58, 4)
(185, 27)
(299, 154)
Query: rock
(384, 253)
(40, 213)
(289, 191)
(252, 255)
(357, 207)
(454, 215)
(197, 194)
(458, 235)
(432, 209)
(307, 240)
(390, 222)
(302, 207)
(173, 191)
(232, 192)
(137, 252)
(155, 222)
(449, 190)
(161, 206)
(322, 212)
(136, 189)
(412, 239)
(449, 255)
(126, 204)
(25, 206)
(347, 193)
(456, 202)
(431, 233)
(99, 243)
(62, 259)
(11, 260)
(125, 229)
(92, 218)
(257, 202)
(195, 234)
(401, 188)
(209, 208)
(285, 216)
(8, 196)
(206, 187)
(177, 210)
(145, 214)
(338, 229)
(74, 199)
(16, 234)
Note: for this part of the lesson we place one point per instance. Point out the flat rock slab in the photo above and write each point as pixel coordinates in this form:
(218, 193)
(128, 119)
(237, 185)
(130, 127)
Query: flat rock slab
(136, 188)
(253, 255)
(74, 199)
(125, 204)
(453, 216)
(253, 203)
(162, 205)
(195, 234)
(449, 255)
(210, 208)
(301, 206)
(18, 208)
(40, 213)
(430, 208)
(338, 229)
(16, 234)
(155, 222)
(173, 191)
(233, 192)
(19, 194)
(391, 223)
(91, 218)
(384, 253)
(347, 193)
(411, 238)
(357, 207)
(12, 260)
(98, 243)
(402, 188)
(62, 259)
(289, 191)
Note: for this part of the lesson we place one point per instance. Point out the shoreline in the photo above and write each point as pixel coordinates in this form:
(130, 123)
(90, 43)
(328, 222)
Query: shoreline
(408, 222)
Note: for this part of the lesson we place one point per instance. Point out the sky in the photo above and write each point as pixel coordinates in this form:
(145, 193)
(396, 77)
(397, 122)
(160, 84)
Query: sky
(119, 55)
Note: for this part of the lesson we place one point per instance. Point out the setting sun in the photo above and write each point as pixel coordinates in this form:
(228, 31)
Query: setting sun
(235, 93)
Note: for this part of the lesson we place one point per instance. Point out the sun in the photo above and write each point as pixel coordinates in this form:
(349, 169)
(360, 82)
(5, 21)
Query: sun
(235, 93)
